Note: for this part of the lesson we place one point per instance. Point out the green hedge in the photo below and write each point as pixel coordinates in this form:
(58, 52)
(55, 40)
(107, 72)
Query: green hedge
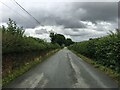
(104, 50)
(14, 40)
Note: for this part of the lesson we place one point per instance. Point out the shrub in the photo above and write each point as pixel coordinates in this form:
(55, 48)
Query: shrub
(105, 50)
(14, 40)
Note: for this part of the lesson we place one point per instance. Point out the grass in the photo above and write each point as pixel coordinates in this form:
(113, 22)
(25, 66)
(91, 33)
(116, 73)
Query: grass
(24, 68)
(113, 74)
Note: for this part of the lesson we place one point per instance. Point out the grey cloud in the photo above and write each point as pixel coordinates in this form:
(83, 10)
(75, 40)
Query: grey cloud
(86, 36)
(26, 23)
(71, 22)
(84, 32)
(69, 15)
(76, 32)
(102, 11)
(41, 31)
(87, 11)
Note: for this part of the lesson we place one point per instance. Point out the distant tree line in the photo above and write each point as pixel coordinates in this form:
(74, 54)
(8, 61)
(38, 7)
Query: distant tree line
(60, 39)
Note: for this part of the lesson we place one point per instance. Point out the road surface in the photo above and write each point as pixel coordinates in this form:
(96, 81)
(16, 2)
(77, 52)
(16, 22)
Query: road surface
(63, 70)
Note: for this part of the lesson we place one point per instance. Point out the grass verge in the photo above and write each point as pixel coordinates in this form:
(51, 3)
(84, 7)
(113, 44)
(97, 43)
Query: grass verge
(113, 74)
(24, 68)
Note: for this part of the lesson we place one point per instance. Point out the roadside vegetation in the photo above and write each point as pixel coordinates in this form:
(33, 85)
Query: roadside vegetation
(16, 65)
(14, 41)
(104, 51)
(20, 53)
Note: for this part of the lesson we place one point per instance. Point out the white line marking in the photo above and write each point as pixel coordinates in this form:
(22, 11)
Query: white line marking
(93, 75)
(80, 81)
(36, 80)
(44, 83)
(32, 81)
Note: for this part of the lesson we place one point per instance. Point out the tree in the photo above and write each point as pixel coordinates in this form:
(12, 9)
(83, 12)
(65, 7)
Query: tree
(68, 42)
(57, 38)
(52, 36)
(14, 29)
(60, 39)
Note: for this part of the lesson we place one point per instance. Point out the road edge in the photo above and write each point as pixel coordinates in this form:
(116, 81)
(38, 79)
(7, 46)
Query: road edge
(111, 73)
(23, 69)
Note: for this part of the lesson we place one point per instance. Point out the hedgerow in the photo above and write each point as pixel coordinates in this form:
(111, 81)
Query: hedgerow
(14, 40)
(104, 50)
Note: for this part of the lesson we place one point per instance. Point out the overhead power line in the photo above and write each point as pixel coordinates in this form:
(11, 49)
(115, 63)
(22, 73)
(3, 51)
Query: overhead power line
(26, 12)
(14, 10)
(10, 8)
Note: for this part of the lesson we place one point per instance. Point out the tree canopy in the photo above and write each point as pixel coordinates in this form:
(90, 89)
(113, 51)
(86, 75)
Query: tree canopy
(60, 39)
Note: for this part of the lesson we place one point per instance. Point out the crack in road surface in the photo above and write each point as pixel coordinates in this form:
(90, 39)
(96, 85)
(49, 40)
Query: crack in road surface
(63, 70)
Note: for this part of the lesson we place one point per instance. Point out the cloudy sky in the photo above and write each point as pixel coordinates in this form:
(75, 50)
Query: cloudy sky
(76, 19)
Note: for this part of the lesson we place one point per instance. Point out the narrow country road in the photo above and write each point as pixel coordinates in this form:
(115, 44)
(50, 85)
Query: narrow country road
(63, 70)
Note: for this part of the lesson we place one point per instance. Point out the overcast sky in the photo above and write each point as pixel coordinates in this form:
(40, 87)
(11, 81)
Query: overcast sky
(76, 20)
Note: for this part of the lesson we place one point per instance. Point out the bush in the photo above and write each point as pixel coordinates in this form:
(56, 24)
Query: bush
(14, 40)
(105, 50)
